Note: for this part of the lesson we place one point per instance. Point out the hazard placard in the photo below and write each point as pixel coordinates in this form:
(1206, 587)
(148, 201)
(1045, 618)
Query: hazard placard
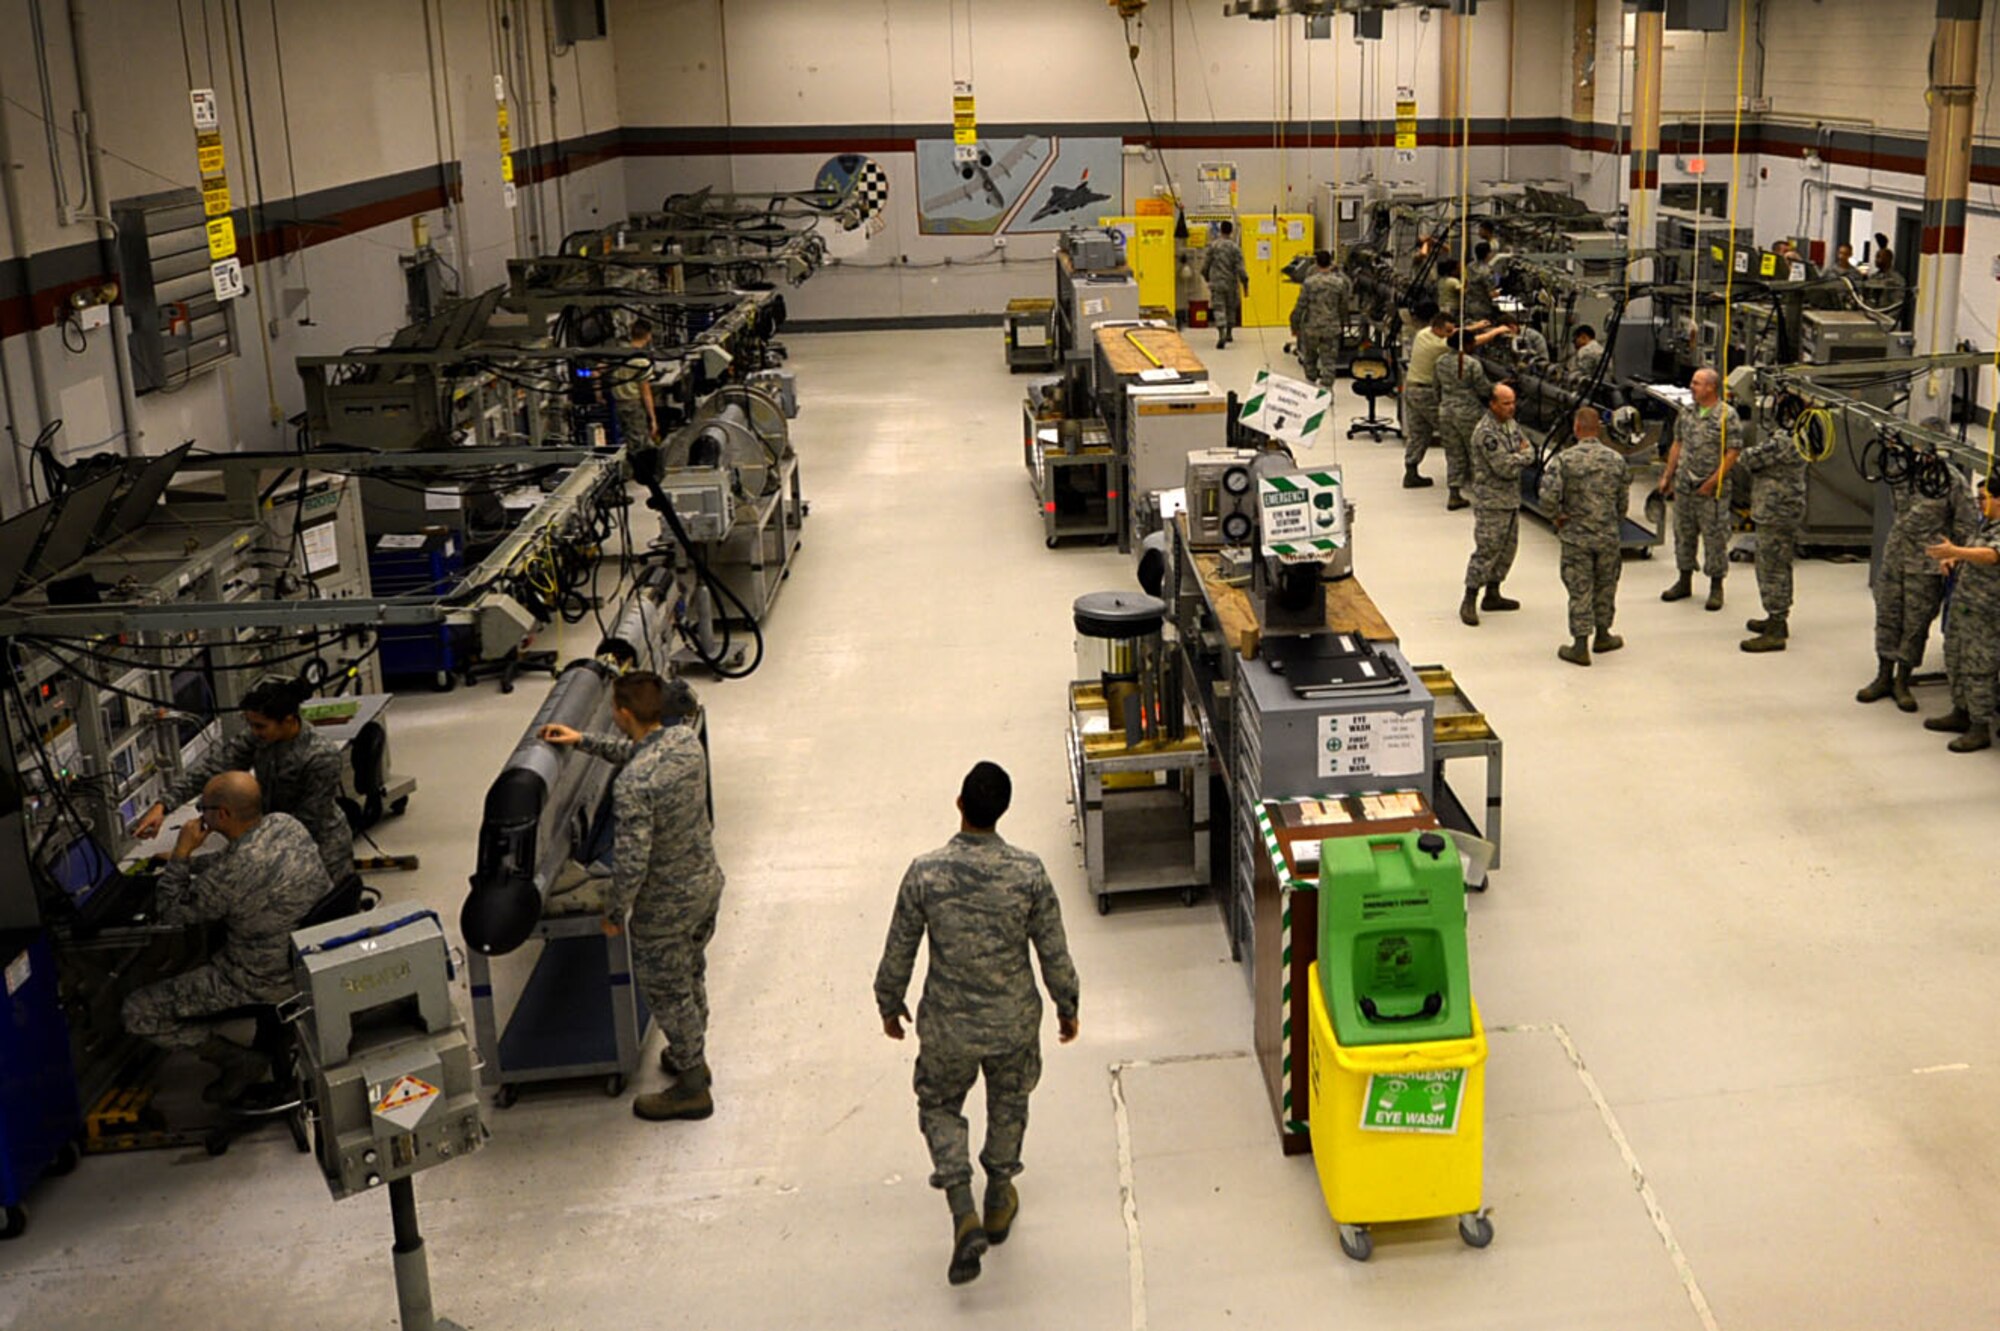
(208, 154)
(406, 1101)
(221, 238)
(215, 196)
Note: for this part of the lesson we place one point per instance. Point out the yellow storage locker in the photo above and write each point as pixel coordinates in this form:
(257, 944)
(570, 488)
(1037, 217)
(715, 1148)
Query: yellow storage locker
(1149, 252)
(1269, 243)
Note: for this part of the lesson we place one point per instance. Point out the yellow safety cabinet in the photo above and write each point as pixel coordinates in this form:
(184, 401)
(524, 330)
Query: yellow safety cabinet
(1269, 243)
(1149, 253)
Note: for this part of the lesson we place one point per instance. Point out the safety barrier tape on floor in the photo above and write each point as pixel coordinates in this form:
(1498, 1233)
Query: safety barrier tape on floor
(1128, 1196)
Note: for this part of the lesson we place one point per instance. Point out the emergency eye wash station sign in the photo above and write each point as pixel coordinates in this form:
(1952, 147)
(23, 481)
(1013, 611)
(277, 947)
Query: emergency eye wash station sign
(1414, 1102)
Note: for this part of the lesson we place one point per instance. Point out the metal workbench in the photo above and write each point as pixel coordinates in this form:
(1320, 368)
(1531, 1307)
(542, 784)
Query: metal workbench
(1143, 813)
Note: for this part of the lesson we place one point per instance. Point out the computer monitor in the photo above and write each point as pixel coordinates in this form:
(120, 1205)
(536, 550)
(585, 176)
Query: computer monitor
(141, 497)
(19, 535)
(80, 868)
(75, 522)
(194, 699)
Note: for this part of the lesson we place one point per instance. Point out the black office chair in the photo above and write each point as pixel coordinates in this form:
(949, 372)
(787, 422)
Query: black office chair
(282, 1099)
(1373, 379)
(366, 756)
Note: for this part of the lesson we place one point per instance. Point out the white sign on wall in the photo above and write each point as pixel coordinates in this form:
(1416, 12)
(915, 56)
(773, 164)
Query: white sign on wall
(1372, 744)
(227, 277)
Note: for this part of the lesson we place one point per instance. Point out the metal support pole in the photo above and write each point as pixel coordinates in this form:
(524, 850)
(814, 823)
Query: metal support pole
(1650, 41)
(1947, 169)
(413, 1272)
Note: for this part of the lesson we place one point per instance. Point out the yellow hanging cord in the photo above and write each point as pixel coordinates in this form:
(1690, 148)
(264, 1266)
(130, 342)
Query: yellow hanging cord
(1729, 273)
(1333, 240)
(1993, 422)
(1464, 58)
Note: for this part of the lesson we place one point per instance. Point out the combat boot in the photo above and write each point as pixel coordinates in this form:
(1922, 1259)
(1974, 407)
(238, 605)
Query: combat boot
(1003, 1203)
(1493, 600)
(1899, 689)
(968, 1245)
(1468, 609)
(1714, 601)
(686, 1099)
(1456, 501)
(1416, 480)
(1682, 589)
(695, 1078)
(1770, 638)
(1606, 641)
(240, 1068)
(1756, 625)
(1954, 722)
(1975, 738)
(1576, 653)
(1878, 688)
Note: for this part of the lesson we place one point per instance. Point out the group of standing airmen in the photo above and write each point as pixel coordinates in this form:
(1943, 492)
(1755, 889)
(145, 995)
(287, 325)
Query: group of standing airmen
(1585, 488)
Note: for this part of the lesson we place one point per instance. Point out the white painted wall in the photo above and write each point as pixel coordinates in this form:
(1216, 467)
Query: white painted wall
(366, 99)
(757, 64)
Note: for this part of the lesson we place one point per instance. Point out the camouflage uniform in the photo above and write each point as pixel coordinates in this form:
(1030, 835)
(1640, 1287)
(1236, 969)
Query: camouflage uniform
(1462, 388)
(1778, 508)
(1228, 279)
(1420, 396)
(1908, 587)
(1698, 521)
(1972, 631)
(259, 888)
(1588, 487)
(635, 427)
(299, 776)
(1479, 298)
(982, 902)
(1500, 453)
(663, 870)
(1585, 362)
(1318, 321)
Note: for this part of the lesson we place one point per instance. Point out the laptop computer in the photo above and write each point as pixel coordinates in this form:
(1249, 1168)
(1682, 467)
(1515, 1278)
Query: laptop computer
(19, 535)
(74, 524)
(131, 510)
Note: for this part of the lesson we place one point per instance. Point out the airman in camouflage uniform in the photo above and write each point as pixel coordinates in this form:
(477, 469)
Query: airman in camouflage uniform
(1778, 508)
(259, 889)
(1320, 318)
(663, 871)
(1589, 354)
(1972, 631)
(982, 903)
(1420, 393)
(1908, 587)
(1500, 453)
(632, 391)
(1462, 390)
(1586, 490)
(297, 768)
(1694, 472)
(1228, 279)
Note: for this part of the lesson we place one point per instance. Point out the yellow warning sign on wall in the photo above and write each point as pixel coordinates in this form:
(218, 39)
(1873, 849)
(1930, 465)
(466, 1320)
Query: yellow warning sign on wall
(964, 116)
(215, 196)
(208, 153)
(221, 238)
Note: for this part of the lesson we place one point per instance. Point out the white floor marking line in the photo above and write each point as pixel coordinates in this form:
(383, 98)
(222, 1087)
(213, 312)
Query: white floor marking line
(1128, 1196)
(1941, 1067)
(1661, 1224)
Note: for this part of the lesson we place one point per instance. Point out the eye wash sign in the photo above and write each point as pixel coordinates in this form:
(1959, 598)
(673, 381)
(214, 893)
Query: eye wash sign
(1414, 1102)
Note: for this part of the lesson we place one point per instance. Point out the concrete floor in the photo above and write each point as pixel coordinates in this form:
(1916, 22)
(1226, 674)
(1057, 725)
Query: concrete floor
(1739, 966)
